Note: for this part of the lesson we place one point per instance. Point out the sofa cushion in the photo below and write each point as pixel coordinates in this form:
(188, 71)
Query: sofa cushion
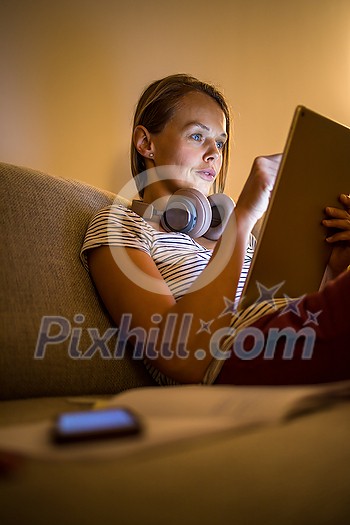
(55, 337)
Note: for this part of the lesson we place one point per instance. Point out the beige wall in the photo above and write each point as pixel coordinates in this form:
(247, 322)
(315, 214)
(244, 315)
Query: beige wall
(71, 74)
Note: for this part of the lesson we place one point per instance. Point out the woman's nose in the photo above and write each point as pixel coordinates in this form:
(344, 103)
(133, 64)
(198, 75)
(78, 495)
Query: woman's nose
(212, 152)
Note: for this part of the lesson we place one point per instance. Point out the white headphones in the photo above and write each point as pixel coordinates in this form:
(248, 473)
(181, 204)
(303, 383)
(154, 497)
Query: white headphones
(189, 211)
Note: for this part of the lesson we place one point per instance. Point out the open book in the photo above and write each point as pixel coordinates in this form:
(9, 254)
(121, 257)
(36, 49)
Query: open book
(175, 413)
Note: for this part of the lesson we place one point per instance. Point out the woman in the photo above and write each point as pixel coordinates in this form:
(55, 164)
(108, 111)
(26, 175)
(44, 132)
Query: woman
(167, 288)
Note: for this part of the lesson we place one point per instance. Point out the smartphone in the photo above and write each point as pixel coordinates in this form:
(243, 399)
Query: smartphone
(102, 423)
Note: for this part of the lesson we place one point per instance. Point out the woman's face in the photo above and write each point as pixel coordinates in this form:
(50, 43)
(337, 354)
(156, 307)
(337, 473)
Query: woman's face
(188, 151)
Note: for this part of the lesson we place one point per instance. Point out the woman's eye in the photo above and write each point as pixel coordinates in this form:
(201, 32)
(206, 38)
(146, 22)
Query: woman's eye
(219, 145)
(196, 136)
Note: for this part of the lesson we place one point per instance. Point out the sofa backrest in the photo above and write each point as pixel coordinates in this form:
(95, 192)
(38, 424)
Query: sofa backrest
(51, 317)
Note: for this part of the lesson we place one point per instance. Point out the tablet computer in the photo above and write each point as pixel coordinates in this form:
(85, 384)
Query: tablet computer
(291, 253)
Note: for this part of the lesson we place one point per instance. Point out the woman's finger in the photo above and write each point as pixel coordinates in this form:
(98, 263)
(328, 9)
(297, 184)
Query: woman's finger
(342, 224)
(339, 236)
(337, 213)
(345, 199)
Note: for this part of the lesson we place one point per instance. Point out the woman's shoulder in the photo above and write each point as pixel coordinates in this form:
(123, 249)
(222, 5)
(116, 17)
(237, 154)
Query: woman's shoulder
(118, 214)
(116, 225)
(113, 210)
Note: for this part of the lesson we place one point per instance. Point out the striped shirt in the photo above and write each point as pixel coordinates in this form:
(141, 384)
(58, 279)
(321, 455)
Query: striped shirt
(179, 259)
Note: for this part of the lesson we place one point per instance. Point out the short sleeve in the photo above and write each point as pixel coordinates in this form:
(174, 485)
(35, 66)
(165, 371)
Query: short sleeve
(116, 226)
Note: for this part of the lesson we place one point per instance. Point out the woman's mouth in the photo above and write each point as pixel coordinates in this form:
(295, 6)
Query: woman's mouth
(208, 175)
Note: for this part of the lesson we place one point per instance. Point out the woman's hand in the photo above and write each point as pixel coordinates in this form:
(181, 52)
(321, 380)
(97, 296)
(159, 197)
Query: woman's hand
(255, 196)
(340, 219)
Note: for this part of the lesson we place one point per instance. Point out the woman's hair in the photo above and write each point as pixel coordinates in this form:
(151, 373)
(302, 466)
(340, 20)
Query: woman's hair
(157, 106)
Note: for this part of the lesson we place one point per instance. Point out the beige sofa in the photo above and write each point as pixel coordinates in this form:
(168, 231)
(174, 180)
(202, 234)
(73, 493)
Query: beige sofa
(292, 473)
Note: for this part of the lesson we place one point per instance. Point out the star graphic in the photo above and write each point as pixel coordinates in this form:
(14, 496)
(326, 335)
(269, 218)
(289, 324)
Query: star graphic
(312, 317)
(230, 308)
(267, 294)
(205, 326)
(292, 305)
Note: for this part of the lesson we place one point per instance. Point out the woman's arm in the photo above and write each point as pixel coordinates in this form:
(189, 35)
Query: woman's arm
(204, 301)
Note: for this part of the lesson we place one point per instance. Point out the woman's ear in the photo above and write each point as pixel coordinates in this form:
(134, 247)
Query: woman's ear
(142, 141)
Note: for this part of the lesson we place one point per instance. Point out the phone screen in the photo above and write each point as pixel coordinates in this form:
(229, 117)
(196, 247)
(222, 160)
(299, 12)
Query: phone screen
(101, 423)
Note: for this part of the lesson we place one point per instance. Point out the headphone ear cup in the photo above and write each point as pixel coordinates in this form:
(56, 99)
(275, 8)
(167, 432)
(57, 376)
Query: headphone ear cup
(179, 215)
(202, 210)
(188, 211)
(221, 208)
